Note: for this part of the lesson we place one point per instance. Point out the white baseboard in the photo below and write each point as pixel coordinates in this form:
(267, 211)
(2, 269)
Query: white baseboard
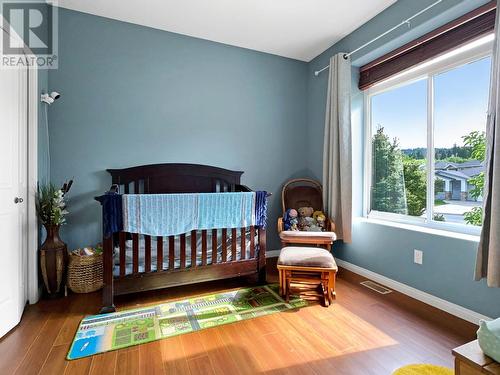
(449, 307)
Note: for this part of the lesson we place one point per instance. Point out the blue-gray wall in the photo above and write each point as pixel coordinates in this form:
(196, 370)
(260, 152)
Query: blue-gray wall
(133, 95)
(448, 266)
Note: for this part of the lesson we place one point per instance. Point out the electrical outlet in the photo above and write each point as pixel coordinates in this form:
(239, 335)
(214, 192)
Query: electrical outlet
(418, 256)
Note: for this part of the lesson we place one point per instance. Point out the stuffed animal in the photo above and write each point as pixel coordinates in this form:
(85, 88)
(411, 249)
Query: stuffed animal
(313, 227)
(305, 217)
(320, 218)
(290, 219)
(314, 224)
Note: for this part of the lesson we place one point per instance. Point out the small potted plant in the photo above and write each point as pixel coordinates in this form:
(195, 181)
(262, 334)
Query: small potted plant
(51, 209)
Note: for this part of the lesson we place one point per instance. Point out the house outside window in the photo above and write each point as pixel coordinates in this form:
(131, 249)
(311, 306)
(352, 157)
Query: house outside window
(425, 140)
(456, 179)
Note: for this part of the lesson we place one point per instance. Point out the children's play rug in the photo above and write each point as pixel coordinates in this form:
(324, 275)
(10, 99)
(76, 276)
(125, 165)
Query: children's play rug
(102, 333)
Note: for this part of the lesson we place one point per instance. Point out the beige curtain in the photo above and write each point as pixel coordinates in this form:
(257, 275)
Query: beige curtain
(488, 255)
(337, 150)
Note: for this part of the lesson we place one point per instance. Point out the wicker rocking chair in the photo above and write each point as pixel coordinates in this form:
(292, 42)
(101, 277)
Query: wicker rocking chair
(304, 192)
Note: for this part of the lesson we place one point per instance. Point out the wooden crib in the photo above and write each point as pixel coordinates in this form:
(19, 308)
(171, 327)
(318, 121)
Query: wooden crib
(188, 260)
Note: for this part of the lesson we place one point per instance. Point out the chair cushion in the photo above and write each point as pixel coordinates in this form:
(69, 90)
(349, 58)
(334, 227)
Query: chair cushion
(297, 234)
(306, 257)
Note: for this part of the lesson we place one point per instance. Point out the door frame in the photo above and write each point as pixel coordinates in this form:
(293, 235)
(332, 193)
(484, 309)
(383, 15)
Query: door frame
(32, 292)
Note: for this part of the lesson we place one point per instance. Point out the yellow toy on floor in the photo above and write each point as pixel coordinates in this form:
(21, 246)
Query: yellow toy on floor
(423, 370)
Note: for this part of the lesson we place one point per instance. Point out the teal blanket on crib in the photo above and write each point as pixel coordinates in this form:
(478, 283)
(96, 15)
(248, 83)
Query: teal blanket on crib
(173, 214)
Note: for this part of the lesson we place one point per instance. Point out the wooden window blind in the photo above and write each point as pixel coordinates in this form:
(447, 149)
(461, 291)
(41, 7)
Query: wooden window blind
(467, 28)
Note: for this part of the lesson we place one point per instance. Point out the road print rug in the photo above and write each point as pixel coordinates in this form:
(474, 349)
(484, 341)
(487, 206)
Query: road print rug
(101, 333)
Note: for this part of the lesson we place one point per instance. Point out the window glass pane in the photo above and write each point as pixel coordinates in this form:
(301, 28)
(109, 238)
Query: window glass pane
(399, 147)
(461, 103)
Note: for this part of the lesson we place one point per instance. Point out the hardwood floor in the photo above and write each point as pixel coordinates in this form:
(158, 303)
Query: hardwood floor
(361, 333)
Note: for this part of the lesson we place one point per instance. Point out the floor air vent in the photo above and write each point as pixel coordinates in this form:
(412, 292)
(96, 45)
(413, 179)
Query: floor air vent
(376, 287)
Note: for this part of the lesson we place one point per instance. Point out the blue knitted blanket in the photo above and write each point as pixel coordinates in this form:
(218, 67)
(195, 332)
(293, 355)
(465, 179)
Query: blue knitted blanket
(173, 214)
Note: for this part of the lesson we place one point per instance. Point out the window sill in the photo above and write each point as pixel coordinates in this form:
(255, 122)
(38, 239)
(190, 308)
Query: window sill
(420, 228)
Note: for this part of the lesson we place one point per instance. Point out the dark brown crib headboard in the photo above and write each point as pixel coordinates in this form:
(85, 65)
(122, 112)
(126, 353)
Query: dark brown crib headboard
(175, 178)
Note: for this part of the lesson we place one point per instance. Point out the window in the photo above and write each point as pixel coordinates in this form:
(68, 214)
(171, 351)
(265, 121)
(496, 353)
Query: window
(426, 140)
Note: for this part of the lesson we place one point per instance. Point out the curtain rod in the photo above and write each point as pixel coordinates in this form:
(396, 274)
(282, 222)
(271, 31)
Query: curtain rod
(405, 22)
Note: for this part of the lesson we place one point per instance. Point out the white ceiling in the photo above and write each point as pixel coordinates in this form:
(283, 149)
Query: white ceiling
(300, 29)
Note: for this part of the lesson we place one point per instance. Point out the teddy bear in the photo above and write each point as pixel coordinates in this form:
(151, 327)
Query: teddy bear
(290, 219)
(305, 217)
(320, 218)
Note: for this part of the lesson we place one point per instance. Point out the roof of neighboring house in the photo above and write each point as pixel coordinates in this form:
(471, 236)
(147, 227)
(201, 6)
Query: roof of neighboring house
(457, 175)
(471, 172)
(443, 164)
(470, 163)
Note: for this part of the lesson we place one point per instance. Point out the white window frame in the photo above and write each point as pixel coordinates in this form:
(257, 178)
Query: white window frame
(471, 52)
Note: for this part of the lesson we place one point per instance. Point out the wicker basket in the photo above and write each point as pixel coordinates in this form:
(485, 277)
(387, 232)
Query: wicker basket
(85, 273)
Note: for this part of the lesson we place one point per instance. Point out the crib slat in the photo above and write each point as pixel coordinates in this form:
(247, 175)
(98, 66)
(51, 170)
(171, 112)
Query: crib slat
(243, 239)
(122, 253)
(252, 242)
(159, 253)
(193, 249)
(224, 245)
(135, 253)
(147, 253)
(171, 252)
(214, 246)
(233, 244)
(204, 247)
(183, 251)
(136, 187)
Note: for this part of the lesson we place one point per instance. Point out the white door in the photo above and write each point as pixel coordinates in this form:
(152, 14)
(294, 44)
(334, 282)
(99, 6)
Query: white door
(13, 189)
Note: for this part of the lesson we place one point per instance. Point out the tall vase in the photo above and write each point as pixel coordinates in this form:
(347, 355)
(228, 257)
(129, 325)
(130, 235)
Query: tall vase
(53, 259)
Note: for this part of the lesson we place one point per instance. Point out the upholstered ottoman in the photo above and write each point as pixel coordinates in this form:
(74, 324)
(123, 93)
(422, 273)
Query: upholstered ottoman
(307, 266)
